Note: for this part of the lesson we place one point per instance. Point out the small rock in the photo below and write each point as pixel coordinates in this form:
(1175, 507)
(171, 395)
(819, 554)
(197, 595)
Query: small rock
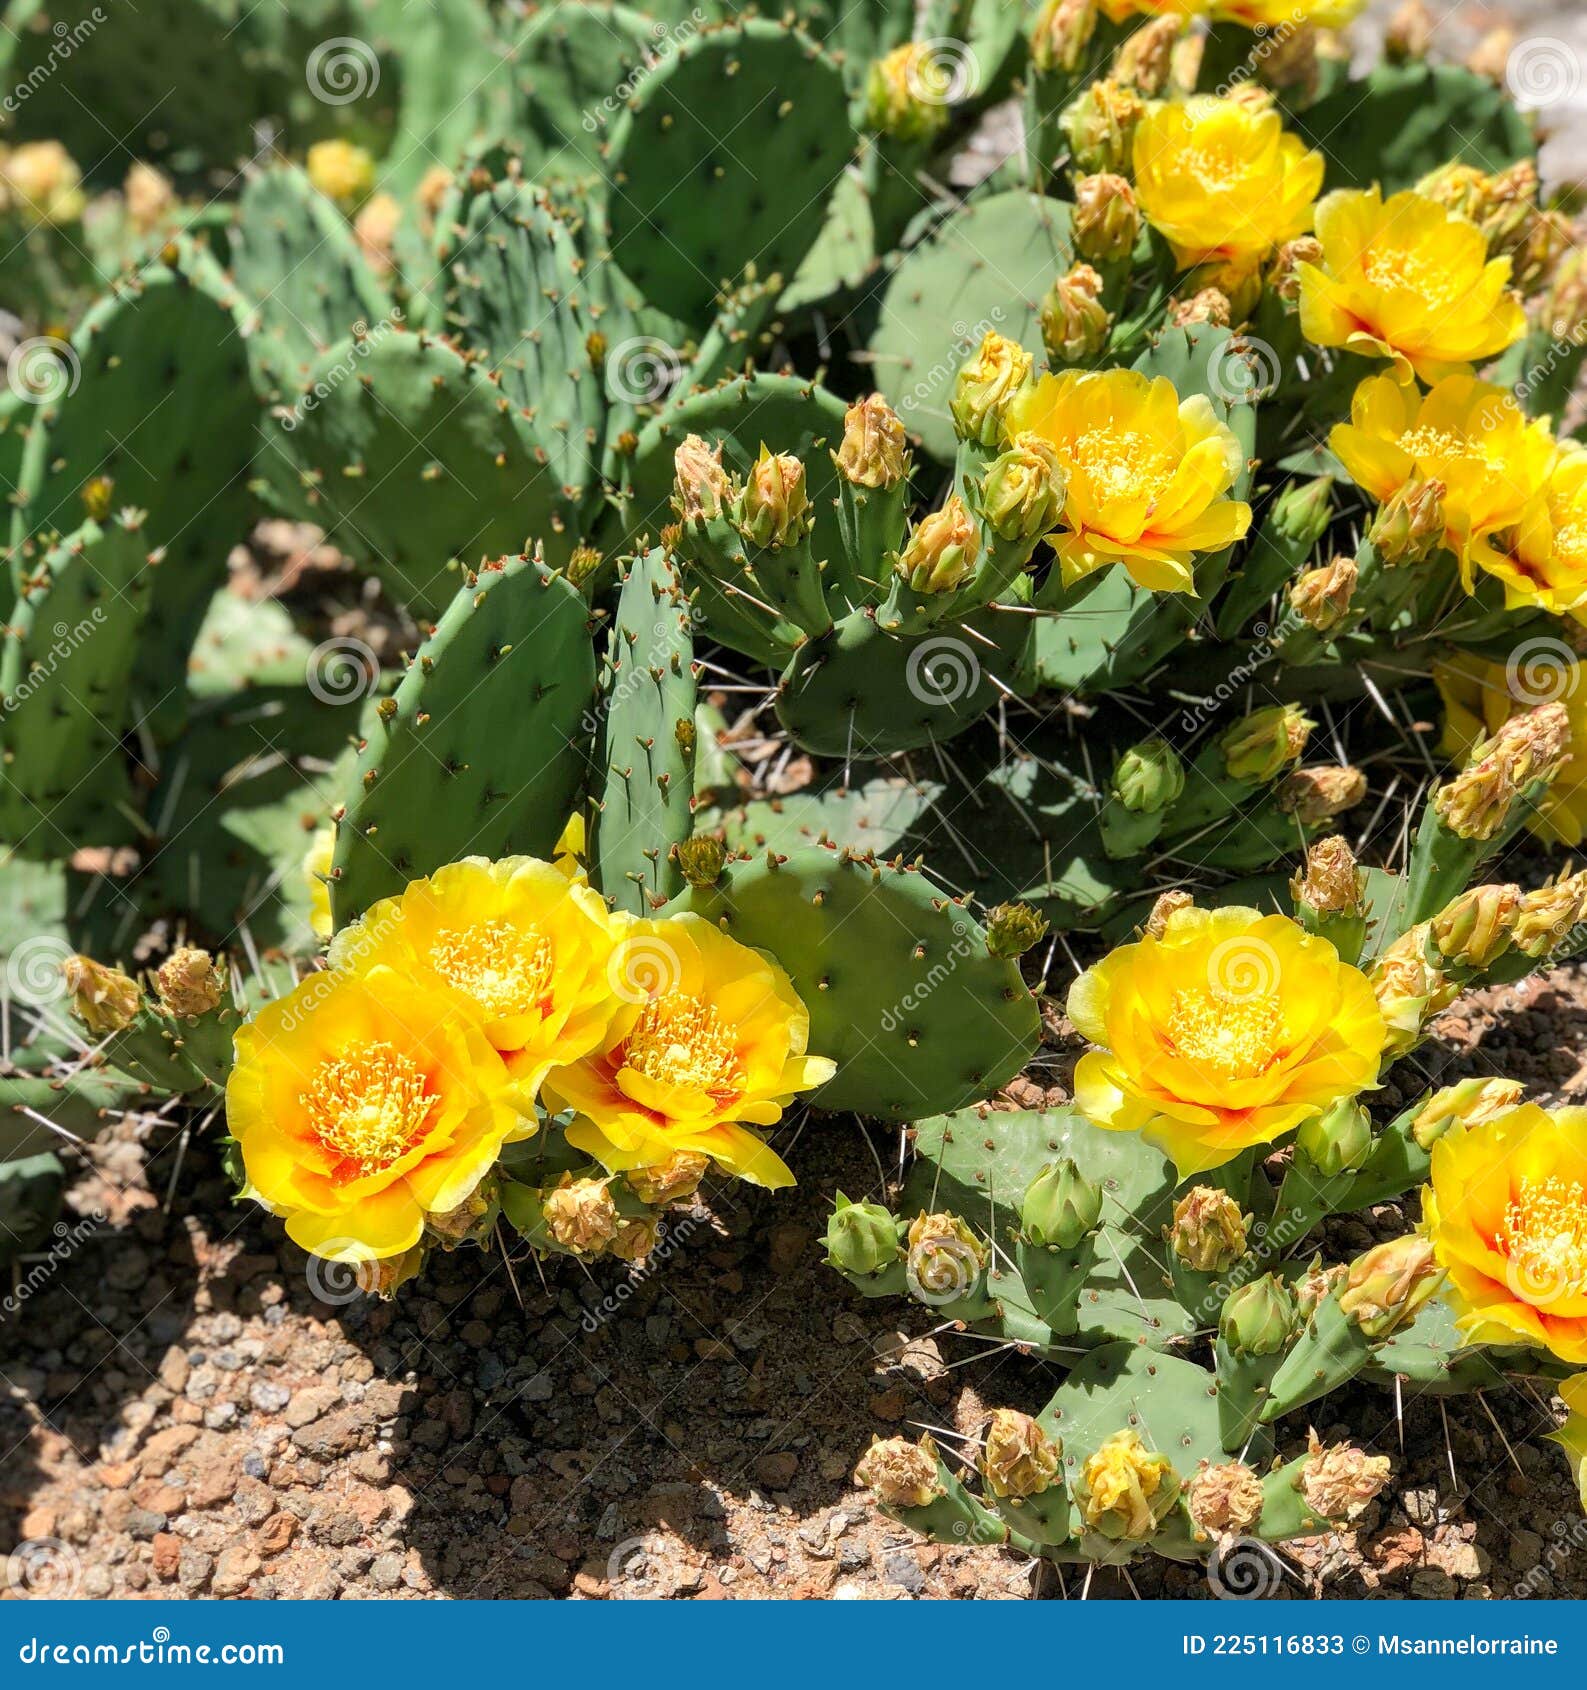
(776, 1471)
(167, 1556)
(277, 1532)
(904, 1570)
(268, 1398)
(386, 1570)
(308, 1405)
(235, 1568)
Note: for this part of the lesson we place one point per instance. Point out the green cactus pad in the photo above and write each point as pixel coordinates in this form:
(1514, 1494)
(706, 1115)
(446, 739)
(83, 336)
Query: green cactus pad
(483, 753)
(989, 266)
(876, 815)
(32, 1191)
(1431, 1355)
(725, 157)
(645, 751)
(901, 990)
(80, 1106)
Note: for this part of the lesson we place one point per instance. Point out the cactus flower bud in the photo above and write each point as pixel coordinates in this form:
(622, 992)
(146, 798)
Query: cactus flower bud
(1338, 1140)
(1531, 747)
(98, 497)
(1099, 125)
(774, 510)
(1467, 1103)
(1075, 324)
(469, 1220)
(1283, 273)
(944, 1260)
(1340, 1480)
(1224, 1501)
(670, 1181)
(942, 550)
(1549, 236)
(702, 489)
(1011, 930)
(1060, 1206)
(1303, 511)
(1258, 1318)
(998, 372)
(580, 1215)
(1410, 527)
(902, 98)
(43, 183)
(188, 983)
(635, 1238)
(1258, 749)
(1207, 305)
(1473, 931)
(1022, 492)
(148, 196)
(382, 1278)
(1409, 988)
(701, 859)
(1409, 33)
(1548, 914)
(1156, 924)
(1107, 221)
(1385, 1287)
(1125, 1490)
(341, 171)
(1563, 308)
(1208, 1232)
(875, 450)
(1146, 60)
(900, 1474)
(862, 1238)
(583, 562)
(1061, 34)
(1321, 597)
(1018, 1459)
(1148, 777)
(1333, 882)
(1314, 796)
(105, 1000)
(1490, 58)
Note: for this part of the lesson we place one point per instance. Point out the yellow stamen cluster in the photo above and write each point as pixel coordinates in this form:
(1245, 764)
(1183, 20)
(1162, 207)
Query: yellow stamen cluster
(1544, 1237)
(1234, 1037)
(504, 968)
(684, 1041)
(368, 1105)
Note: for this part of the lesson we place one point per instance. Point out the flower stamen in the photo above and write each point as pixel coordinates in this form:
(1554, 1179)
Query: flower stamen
(1235, 1037)
(368, 1107)
(681, 1040)
(506, 969)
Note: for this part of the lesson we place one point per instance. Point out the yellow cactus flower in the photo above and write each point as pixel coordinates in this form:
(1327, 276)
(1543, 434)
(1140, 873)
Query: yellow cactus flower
(1121, 11)
(1125, 1491)
(1572, 1436)
(317, 862)
(362, 1103)
(1469, 436)
(341, 171)
(1147, 475)
(1222, 1032)
(1289, 16)
(1543, 561)
(524, 950)
(709, 1039)
(1220, 180)
(1480, 696)
(1506, 1212)
(1403, 278)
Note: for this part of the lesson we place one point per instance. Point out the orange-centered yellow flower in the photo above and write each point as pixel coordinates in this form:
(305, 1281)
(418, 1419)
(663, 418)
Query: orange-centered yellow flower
(1467, 435)
(1147, 477)
(1507, 1215)
(1480, 696)
(1220, 180)
(708, 1040)
(1227, 1030)
(1543, 560)
(363, 1103)
(523, 948)
(1405, 279)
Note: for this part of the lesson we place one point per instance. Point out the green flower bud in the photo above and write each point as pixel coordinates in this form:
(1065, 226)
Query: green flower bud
(1107, 221)
(1011, 930)
(1148, 777)
(701, 859)
(1258, 1318)
(943, 549)
(774, 508)
(1473, 931)
(1338, 1140)
(1385, 1288)
(998, 373)
(1075, 324)
(1022, 493)
(1258, 749)
(1060, 1206)
(1303, 511)
(1209, 1231)
(862, 1238)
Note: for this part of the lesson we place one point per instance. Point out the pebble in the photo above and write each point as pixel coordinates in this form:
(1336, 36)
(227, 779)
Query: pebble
(269, 1398)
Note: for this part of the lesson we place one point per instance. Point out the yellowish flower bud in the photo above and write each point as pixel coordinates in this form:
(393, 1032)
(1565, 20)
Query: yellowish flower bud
(635, 1239)
(669, 1182)
(774, 508)
(1315, 1286)
(1563, 311)
(1146, 60)
(1473, 931)
(1288, 61)
(1340, 1480)
(942, 550)
(1547, 915)
(998, 372)
(1409, 33)
(1490, 58)
(702, 859)
(1209, 1232)
(902, 97)
(1125, 1490)
(99, 494)
(383, 1277)
(1099, 125)
(341, 171)
(1332, 883)
(1314, 796)
(106, 1000)
(433, 188)
(469, 1219)
(1062, 32)
(1075, 324)
(1282, 275)
(1257, 749)
(188, 982)
(149, 196)
(1018, 1459)
(944, 1258)
(580, 1215)
(376, 228)
(1107, 221)
(900, 1474)
(1468, 1103)
(1321, 597)
(1548, 238)
(1410, 527)
(1410, 990)
(43, 183)
(583, 561)
(1167, 904)
(1386, 1286)
(1209, 305)
(702, 489)
(1224, 1501)
(875, 450)
(1528, 748)
(1011, 929)
(1022, 493)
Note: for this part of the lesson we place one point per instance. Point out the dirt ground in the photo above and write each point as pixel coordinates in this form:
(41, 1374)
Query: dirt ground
(187, 1411)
